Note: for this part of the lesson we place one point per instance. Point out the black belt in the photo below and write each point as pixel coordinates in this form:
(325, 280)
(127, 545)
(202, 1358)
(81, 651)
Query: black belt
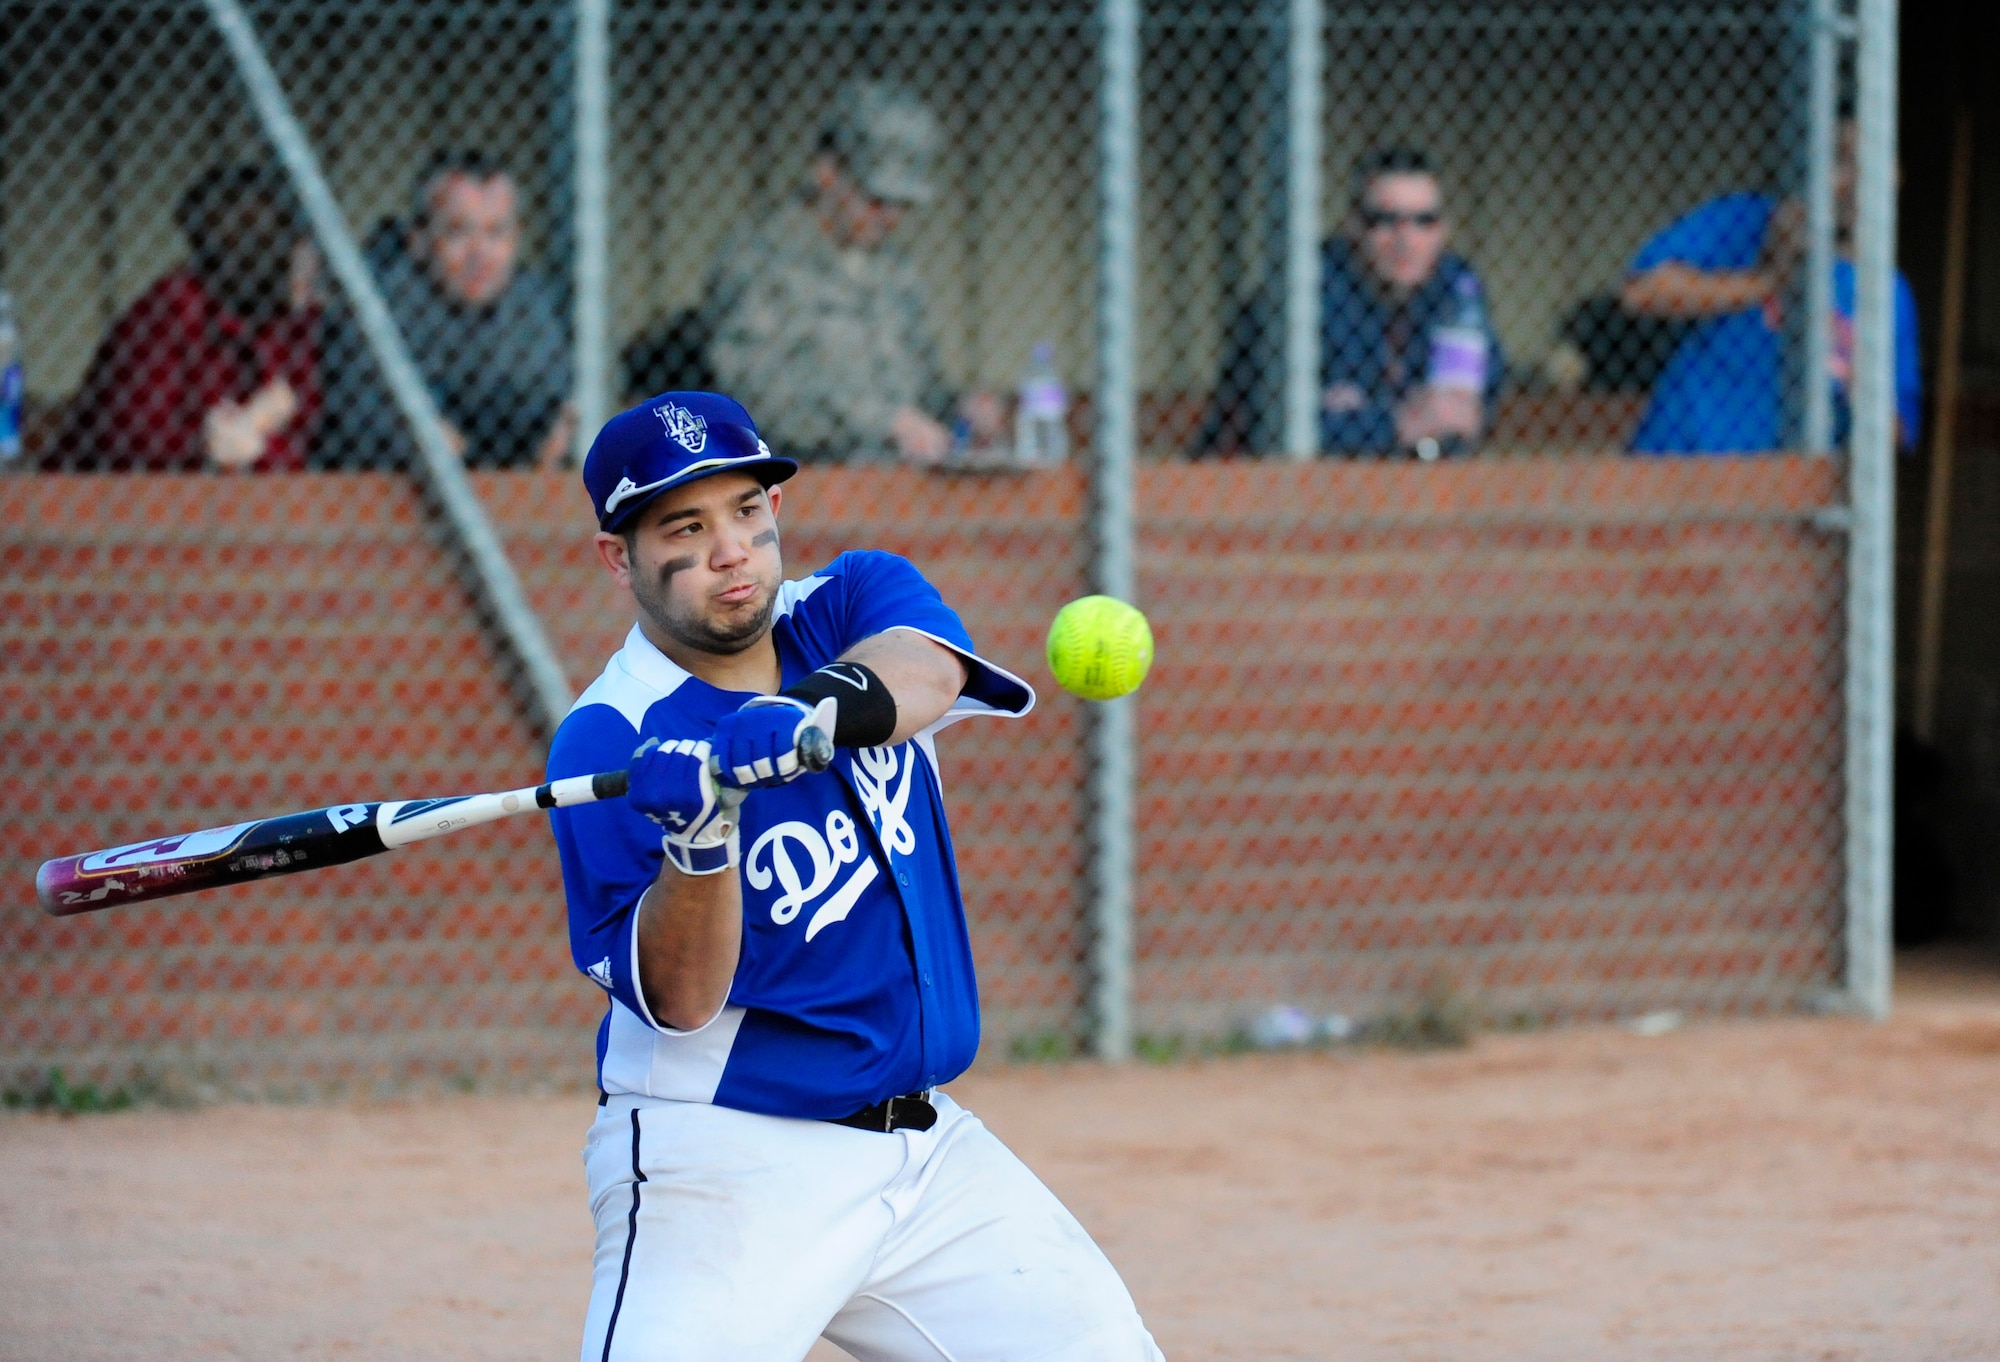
(913, 1112)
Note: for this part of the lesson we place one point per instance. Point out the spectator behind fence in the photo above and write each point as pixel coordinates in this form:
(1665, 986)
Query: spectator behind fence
(1732, 266)
(216, 364)
(819, 323)
(486, 335)
(1408, 358)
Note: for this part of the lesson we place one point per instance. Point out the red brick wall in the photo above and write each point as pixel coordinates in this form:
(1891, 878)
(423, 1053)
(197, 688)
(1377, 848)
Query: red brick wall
(186, 651)
(1560, 733)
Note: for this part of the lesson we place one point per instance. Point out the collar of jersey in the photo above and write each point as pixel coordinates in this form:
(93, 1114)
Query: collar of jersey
(651, 666)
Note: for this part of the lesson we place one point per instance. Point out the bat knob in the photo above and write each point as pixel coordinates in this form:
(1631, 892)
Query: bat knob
(815, 749)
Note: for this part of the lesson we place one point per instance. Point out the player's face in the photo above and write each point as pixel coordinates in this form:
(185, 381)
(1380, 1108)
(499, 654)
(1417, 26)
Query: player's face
(703, 562)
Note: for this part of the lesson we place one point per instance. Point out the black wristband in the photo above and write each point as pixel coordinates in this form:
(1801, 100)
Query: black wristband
(867, 713)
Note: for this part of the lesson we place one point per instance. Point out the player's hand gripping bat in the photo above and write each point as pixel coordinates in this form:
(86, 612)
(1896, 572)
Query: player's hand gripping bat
(289, 843)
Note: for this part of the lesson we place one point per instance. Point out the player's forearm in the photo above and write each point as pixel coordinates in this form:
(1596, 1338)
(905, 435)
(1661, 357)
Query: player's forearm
(690, 934)
(1686, 292)
(923, 676)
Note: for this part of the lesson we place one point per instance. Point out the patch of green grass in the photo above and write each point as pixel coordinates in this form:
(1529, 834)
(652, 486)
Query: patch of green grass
(56, 1093)
(1176, 1048)
(1442, 1020)
(1042, 1047)
(1235, 1043)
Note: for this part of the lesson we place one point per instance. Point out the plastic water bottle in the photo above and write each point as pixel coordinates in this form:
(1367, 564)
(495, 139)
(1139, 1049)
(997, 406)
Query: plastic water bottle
(1458, 347)
(1458, 355)
(12, 387)
(1041, 433)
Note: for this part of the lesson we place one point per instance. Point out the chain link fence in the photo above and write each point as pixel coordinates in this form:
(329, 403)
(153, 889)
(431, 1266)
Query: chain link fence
(1486, 168)
(1460, 709)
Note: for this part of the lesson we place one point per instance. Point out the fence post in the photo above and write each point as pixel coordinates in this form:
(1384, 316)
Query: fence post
(492, 572)
(592, 260)
(1112, 730)
(1870, 579)
(1822, 42)
(1307, 40)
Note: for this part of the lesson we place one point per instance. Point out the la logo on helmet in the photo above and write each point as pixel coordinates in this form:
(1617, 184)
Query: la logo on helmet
(689, 430)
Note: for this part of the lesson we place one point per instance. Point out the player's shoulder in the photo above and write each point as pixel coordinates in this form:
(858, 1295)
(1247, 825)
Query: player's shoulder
(604, 724)
(855, 572)
(867, 565)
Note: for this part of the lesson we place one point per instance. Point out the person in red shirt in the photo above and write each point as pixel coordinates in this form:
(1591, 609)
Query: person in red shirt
(217, 364)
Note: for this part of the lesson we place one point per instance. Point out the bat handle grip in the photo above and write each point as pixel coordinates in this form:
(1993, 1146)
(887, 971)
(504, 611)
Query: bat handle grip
(815, 754)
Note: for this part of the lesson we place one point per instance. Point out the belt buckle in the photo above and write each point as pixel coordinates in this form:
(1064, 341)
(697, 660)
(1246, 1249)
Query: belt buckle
(922, 1114)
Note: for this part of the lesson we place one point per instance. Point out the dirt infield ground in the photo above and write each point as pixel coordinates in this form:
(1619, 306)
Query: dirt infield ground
(1795, 1189)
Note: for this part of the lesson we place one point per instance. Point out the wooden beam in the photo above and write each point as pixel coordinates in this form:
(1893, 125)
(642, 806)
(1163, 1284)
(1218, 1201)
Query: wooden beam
(1944, 432)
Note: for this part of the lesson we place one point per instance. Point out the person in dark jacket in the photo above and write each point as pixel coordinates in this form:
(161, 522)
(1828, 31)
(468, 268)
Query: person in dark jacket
(1409, 362)
(486, 335)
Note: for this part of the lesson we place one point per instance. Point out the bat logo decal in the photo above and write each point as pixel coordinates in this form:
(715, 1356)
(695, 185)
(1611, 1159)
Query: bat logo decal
(97, 895)
(417, 807)
(180, 847)
(347, 816)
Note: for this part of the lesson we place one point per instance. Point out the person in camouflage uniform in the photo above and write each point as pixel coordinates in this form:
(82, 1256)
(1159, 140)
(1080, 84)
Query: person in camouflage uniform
(820, 324)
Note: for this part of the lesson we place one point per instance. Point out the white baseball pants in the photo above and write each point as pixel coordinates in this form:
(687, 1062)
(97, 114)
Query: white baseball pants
(728, 1237)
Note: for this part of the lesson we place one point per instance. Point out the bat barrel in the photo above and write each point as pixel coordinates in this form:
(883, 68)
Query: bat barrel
(187, 861)
(51, 880)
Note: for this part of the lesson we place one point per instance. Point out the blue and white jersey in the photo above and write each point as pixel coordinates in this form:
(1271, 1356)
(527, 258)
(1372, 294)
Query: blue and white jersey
(855, 981)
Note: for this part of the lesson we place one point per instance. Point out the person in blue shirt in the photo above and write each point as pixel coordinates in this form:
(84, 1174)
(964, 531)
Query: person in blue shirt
(1409, 362)
(1731, 264)
(784, 950)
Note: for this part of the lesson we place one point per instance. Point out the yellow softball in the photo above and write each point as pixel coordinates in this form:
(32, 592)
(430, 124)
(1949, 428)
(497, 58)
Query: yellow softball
(1100, 648)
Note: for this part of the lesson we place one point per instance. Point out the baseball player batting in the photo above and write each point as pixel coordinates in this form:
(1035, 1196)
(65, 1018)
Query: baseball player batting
(785, 951)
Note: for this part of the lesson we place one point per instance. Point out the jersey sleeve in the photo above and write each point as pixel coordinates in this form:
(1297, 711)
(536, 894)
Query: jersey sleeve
(1722, 234)
(875, 592)
(610, 854)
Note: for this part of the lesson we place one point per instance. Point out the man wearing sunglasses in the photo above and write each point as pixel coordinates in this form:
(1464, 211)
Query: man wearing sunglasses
(1409, 363)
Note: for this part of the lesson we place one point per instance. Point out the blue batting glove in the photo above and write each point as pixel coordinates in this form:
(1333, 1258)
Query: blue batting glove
(758, 745)
(671, 784)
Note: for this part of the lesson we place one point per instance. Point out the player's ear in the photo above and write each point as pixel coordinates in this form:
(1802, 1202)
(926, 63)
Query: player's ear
(777, 494)
(616, 555)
